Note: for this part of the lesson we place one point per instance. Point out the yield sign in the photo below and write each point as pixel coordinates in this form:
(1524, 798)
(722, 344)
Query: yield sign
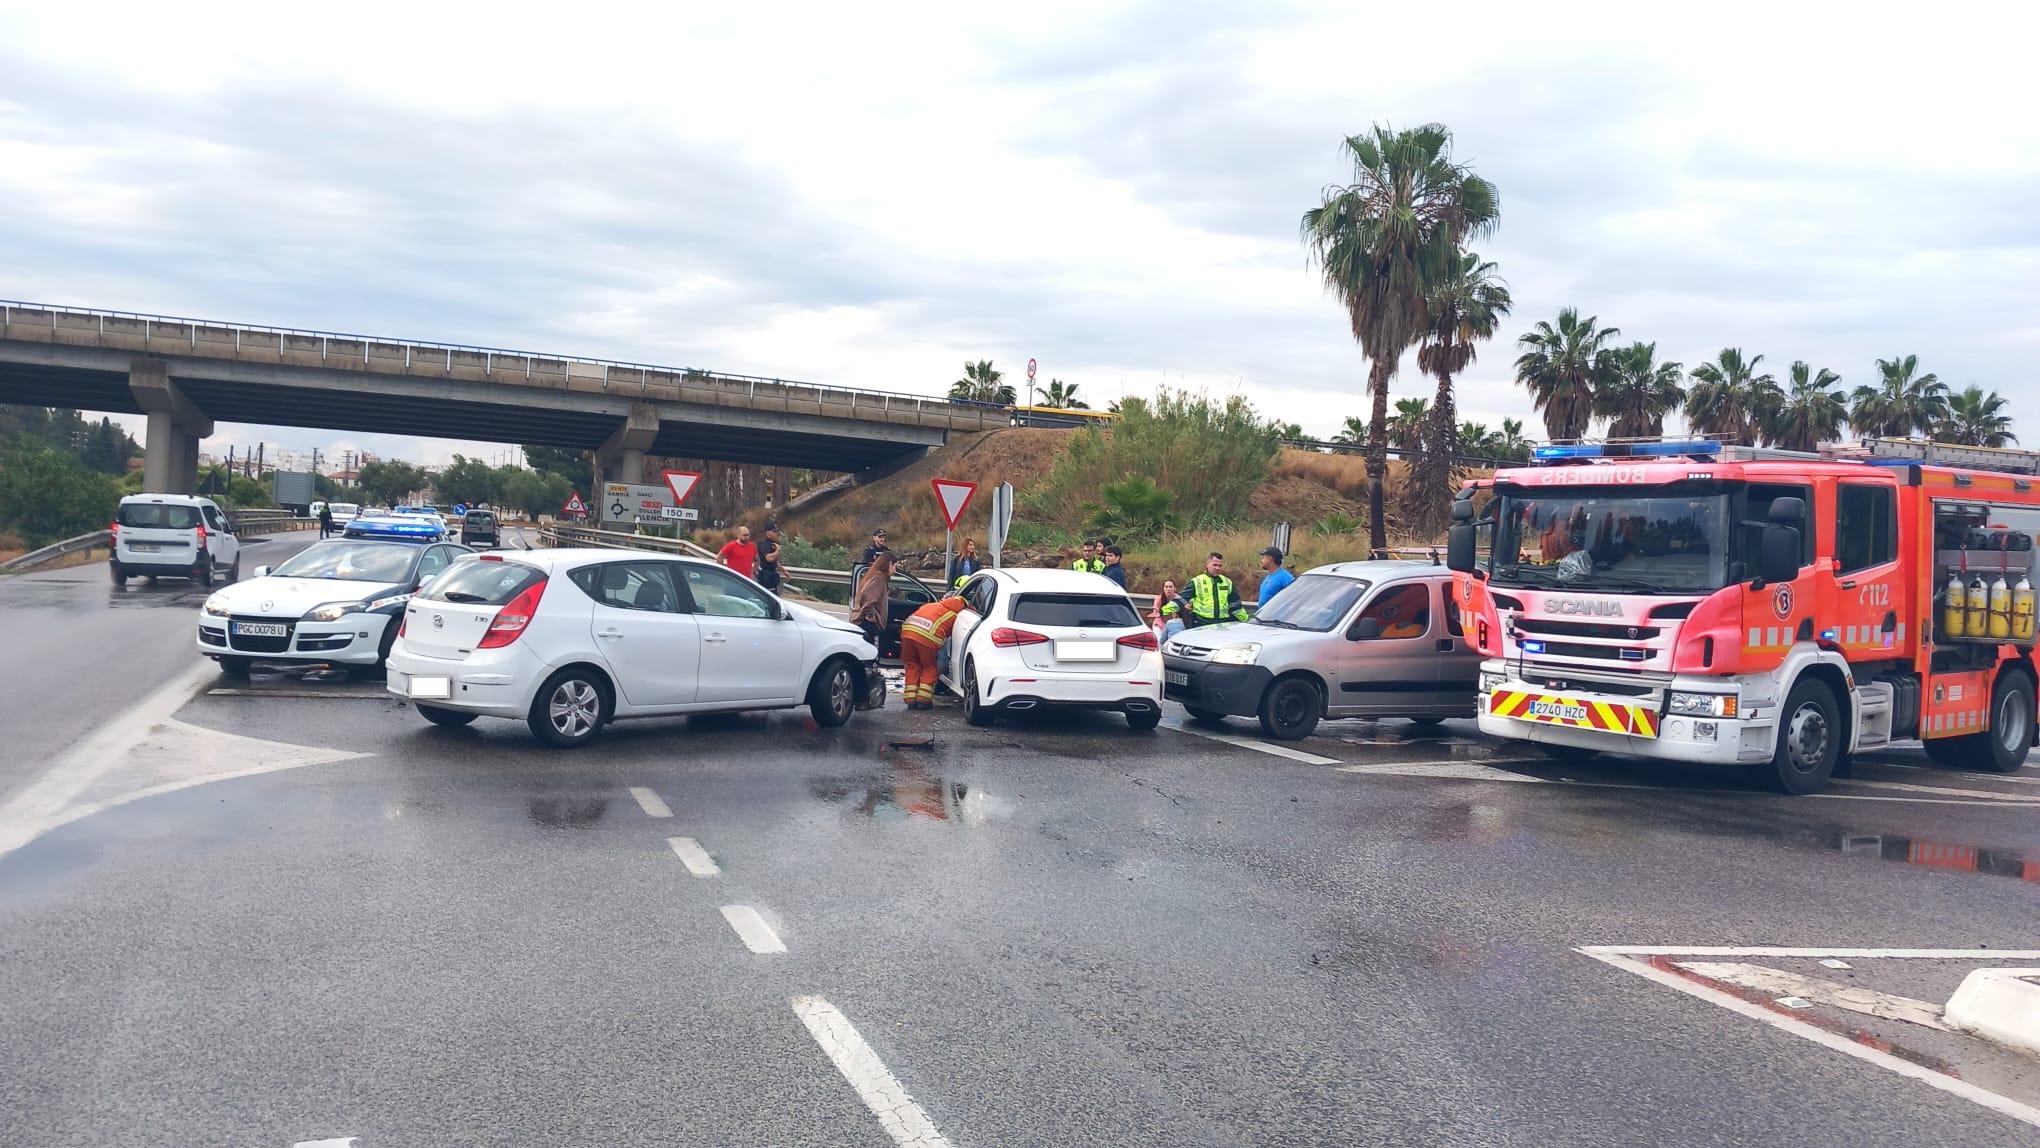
(682, 484)
(953, 496)
(574, 504)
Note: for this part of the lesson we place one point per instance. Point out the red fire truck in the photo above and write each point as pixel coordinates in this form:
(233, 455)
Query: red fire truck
(1700, 602)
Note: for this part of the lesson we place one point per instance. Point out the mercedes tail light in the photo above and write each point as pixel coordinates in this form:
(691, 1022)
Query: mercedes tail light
(513, 618)
(1006, 636)
(1145, 640)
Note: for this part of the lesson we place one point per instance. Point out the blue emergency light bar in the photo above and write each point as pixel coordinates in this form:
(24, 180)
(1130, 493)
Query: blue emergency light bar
(1565, 452)
(394, 528)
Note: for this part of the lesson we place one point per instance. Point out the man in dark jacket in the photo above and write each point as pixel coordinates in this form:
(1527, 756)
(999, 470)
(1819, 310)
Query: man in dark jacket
(1113, 569)
(768, 558)
(876, 548)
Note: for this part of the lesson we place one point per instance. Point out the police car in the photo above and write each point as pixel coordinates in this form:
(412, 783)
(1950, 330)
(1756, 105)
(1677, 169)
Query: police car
(336, 602)
(403, 524)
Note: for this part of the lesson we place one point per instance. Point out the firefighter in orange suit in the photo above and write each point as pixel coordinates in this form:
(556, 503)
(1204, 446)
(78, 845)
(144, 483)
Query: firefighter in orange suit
(921, 637)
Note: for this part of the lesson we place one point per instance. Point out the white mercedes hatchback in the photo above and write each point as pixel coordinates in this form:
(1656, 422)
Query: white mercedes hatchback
(569, 640)
(1029, 639)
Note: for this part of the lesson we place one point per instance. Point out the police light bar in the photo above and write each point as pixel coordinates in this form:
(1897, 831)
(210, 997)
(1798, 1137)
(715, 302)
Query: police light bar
(1566, 452)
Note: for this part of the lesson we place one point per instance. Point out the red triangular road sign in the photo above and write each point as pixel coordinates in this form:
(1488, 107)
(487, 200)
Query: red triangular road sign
(682, 483)
(574, 504)
(952, 496)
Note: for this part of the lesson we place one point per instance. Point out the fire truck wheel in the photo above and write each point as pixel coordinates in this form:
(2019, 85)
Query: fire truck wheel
(2011, 725)
(1809, 740)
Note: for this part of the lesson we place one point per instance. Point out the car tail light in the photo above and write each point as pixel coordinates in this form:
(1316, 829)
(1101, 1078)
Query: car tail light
(1007, 636)
(201, 535)
(511, 620)
(113, 531)
(1145, 640)
(490, 557)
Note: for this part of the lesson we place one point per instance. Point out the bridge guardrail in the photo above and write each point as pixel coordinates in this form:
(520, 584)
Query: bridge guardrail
(54, 551)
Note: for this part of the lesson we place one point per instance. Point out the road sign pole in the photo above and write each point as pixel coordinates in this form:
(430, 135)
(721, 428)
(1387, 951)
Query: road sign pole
(948, 559)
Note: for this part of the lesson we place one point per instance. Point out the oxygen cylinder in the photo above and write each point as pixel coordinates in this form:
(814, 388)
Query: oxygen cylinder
(2000, 607)
(1976, 623)
(1951, 607)
(2022, 610)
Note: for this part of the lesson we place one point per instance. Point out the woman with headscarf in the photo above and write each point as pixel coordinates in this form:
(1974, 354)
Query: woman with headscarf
(868, 604)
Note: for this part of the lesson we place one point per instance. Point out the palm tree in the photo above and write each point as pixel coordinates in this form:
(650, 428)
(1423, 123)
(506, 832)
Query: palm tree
(1509, 443)
(1352, 432)
(1384, 242)
(982, 383)
(1729, 398)
(1063, 396)
(1475, 439)
(1810, 412)
(1407, 425)
(1564, 366)
(1902, 403)
(1976, 418)
(1464, 308)
(1639, 393)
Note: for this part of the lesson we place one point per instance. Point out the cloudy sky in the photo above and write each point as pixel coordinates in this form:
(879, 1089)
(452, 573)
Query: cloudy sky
(869, 194)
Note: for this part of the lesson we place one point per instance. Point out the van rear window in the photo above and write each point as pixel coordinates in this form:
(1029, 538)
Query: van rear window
(158, 514)
(1098, 610)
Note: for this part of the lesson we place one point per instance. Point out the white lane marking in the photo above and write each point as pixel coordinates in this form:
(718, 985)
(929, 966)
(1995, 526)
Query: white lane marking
(1787, 951)
(1249, 743)
(651, 803)
(1820, 1036)
(2015, 779)
(902, 1119)
(1944, 791)
(693, 856)
(1457, 769)
(342, 1142)
(752, 929)
(1855, 998)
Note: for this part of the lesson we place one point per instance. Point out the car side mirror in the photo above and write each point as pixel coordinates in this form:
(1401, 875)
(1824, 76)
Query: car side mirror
(259, 572)
(1462, 510)
(1778, 557)
(1459, 544)
(1364, 630)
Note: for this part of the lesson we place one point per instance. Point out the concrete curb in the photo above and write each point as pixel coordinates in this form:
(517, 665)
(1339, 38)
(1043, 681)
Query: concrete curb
(2001, 1005)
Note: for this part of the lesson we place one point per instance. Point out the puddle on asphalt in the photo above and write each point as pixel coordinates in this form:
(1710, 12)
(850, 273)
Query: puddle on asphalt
(900, 788)
(1940, 855)
(562, 812)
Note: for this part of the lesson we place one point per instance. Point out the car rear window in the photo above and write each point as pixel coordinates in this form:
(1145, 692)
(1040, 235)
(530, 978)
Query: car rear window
(480, 518)
(158, 514)
(479, 582)
(1074, 610)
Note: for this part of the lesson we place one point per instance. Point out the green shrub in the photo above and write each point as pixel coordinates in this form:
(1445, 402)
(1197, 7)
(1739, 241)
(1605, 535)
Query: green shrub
(1136, 508)
(47, 496)
(1209, 455)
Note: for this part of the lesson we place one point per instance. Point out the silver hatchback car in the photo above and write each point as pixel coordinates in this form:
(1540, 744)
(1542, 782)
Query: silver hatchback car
(1353, 639)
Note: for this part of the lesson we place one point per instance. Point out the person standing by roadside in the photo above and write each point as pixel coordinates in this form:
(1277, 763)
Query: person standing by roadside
(768, 558)
(740, 553)
(868, 604)
(325, 521)
(1276, 577)
(966, 563)
(1088, 561)
(1210, 597)
(1167, 595)
(922, 637)
(1113, 569)
(876, 548)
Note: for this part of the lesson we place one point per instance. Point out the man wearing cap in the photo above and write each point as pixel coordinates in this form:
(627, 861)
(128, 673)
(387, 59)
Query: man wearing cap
(876, 548)
(1277, 576)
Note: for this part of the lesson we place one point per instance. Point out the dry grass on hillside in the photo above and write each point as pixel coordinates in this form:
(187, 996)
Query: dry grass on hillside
(904, 503)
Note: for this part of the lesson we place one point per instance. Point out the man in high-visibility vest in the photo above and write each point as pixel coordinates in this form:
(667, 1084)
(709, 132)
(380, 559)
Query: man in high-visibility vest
(922, 637)
(1210, 596)
(1090, 561)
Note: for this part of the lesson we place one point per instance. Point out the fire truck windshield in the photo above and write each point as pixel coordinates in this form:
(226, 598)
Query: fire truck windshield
(1615, 539)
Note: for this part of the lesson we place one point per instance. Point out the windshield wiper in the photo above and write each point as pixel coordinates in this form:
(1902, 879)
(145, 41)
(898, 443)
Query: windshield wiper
(1543, 577)
(1603, 581)
(462, 596)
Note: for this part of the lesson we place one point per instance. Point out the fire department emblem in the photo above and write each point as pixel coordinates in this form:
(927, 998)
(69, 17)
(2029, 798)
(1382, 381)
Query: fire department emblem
(1781, 602)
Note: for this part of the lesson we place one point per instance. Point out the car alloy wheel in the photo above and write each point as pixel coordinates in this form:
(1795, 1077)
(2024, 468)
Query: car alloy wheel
(574, 709)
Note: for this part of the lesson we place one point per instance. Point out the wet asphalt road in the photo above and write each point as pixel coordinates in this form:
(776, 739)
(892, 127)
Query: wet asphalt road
(1052, 932)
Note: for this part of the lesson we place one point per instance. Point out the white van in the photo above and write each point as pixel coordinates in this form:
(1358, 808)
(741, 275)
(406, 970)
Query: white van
(174, 536)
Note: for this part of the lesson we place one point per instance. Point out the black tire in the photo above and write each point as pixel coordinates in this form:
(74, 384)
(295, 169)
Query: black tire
(119, 576)
(832, 696)
(447, 719)
(1290, 709)
(389, 640)
(236, 667)
(202, 573)
(581, 698)
(1199, 713)
(1567, 752)
(1144, 720)
(234, 571)
(149, 578)
(1427, 722)
(2003, 747)
(975, 711)
(1810, 739)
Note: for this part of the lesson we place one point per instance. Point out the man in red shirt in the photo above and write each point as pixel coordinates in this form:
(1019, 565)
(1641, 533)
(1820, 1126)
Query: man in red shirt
(740, 554)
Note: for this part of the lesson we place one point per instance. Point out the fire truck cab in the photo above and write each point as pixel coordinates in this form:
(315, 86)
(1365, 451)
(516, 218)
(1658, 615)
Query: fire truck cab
(1700, 602)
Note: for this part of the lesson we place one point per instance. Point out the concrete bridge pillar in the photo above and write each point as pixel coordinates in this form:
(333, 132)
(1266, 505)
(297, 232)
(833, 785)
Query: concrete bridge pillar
(622, 457)
(170, 452)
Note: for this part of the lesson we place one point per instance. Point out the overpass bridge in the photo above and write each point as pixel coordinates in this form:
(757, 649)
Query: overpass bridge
(184, 374)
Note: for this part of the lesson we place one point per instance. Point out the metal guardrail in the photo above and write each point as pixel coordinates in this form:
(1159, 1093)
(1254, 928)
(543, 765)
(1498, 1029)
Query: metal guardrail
(245, 522)
(556, 536)
(191, 328)
(54, 551)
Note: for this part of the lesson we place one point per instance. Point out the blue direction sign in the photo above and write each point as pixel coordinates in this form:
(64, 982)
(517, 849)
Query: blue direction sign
(460, 510)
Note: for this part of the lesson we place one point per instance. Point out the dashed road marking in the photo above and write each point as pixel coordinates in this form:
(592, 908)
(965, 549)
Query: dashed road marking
(693, 856)
(752, 929)
(651, 803)
(1944, 791)
(1625, 957)
(2015, 779)
(342, 1142)
(1250, 743)
(902, 1119)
